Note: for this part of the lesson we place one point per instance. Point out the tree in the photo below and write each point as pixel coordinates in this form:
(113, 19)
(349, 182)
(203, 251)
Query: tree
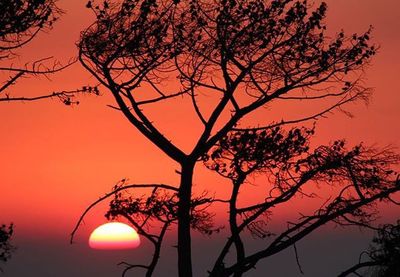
(247, 55)
(20, 22)
(383, 254)
(5, 242)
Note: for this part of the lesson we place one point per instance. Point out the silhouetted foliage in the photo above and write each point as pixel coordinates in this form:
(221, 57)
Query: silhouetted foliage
(160, 206)
(242, 56)
(387, 250)
(20, 22)
(383, 256)
(6, 247)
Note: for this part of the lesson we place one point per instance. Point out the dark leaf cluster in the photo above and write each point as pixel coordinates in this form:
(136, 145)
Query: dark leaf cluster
(244, 152)
(386, 250)
(6, 247)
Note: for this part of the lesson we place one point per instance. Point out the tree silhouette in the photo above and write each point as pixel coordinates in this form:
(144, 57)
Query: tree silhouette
(5, 242)
(383, 254)
(247, 55)
(20, 22)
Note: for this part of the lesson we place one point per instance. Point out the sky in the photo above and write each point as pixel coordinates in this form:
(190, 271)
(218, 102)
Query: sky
(55, 160)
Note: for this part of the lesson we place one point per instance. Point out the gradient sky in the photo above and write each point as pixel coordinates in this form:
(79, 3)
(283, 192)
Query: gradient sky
(55, 160)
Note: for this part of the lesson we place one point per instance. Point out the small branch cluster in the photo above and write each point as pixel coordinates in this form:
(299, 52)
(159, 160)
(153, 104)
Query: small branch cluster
(66, 97)
(20, 22)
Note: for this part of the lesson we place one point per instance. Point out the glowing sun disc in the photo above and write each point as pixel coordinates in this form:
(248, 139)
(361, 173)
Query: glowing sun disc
(114, 235)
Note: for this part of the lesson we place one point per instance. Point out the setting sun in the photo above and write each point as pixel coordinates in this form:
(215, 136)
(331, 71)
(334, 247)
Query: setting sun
(114, 235)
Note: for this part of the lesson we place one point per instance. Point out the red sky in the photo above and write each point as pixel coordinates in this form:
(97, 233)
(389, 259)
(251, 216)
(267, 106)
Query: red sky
(55, 159)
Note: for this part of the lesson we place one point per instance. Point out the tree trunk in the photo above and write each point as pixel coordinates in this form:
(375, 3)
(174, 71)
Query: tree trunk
(184, 240)
(240, 252)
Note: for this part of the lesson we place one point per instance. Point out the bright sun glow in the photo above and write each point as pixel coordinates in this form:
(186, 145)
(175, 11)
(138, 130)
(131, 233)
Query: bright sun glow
(114, 235)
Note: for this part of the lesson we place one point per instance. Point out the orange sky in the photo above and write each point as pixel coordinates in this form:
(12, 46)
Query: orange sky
(55, 159)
